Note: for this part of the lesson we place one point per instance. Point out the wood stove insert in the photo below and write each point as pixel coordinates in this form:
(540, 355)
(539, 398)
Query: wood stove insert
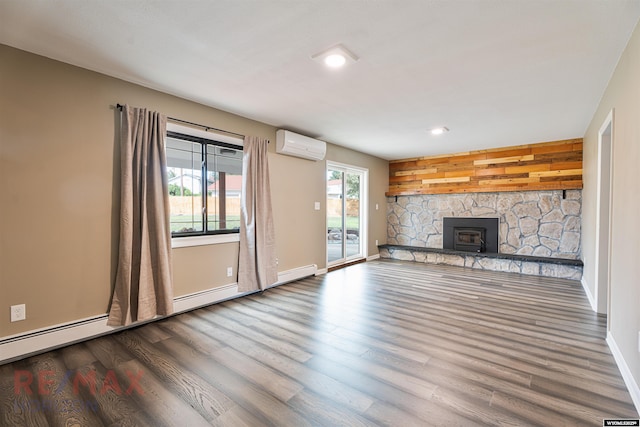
(469, 239)
(470, 234)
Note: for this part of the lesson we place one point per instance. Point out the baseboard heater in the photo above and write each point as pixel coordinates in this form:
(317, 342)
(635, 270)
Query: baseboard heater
(38, 341)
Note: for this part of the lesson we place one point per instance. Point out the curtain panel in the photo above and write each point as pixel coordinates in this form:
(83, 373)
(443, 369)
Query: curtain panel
(143, 287)
(257, 267)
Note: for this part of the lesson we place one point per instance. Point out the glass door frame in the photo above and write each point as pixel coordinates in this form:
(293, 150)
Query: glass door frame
(364, 210)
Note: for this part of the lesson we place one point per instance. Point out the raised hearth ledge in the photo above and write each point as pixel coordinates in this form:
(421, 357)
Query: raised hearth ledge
(527, 258)
(523, 264)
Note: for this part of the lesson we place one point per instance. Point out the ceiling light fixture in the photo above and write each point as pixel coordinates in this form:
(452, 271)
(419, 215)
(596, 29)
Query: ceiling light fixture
(439, 131)
(335, 57)
(335, 60)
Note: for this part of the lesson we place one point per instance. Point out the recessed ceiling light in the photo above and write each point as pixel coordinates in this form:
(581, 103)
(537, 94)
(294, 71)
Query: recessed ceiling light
(335, 60)
(439, 131)
(335, 57)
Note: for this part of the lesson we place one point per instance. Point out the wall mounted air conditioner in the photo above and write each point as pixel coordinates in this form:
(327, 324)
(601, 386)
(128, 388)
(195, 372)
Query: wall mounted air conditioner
(293, 144)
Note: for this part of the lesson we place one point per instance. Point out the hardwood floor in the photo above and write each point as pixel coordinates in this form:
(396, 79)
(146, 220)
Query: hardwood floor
(380, 343)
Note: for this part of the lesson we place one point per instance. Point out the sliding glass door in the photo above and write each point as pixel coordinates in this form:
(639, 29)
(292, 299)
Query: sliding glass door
(345, 213)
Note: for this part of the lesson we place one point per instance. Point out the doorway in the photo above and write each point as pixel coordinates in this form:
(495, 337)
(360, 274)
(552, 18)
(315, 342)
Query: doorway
(603, 216)
(346, 219)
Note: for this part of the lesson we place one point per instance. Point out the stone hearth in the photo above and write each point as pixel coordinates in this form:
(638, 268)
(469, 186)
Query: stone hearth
(542, 224)
(539, 223)
(523, 264)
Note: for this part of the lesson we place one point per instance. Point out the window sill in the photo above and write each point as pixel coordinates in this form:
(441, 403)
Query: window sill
(215, 239)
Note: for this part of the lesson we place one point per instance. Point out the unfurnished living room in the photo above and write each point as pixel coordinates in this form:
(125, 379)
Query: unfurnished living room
(323, 213)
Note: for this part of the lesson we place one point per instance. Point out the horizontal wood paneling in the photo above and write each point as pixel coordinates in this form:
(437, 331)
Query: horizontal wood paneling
(555, 165)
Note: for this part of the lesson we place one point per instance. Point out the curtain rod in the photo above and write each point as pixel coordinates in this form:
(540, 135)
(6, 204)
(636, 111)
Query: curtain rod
(206, 128)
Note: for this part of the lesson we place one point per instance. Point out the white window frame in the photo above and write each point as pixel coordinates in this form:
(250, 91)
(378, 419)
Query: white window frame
(211, 239)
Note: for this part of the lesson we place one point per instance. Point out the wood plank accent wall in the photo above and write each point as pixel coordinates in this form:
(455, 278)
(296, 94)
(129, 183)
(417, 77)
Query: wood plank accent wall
(555, 165)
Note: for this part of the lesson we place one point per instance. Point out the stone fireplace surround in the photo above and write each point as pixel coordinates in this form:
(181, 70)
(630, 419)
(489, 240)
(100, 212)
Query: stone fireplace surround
(539, 231)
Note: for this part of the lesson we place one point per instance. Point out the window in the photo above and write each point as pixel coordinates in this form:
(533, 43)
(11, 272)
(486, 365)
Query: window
(205, 180)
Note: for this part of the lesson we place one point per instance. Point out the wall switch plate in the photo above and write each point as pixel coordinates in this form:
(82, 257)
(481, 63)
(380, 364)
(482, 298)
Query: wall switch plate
(376, 206)
(376, 242)
(229, 271)
(18, 312)
(316, 206)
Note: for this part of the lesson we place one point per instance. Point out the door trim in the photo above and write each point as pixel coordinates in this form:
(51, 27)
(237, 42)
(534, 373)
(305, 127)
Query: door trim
(604, 210)
(364, 211)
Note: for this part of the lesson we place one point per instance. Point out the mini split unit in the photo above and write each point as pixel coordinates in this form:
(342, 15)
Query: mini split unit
(293, 144)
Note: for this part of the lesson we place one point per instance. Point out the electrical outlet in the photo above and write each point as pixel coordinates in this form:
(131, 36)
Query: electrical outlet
(376, 242)
(229, 271)
(18, 312)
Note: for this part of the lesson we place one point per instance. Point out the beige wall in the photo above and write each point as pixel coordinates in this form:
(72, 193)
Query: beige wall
(58, 169)
(377, 181)
(622, 95)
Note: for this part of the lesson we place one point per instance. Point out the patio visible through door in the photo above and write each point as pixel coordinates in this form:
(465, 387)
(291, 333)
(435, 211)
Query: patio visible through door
(344, 213)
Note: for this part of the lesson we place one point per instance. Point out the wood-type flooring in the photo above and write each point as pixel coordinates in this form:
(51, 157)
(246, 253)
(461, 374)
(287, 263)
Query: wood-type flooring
(380, 343)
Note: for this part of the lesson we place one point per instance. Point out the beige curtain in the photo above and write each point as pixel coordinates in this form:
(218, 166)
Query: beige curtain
(143, 287)
(257, 265)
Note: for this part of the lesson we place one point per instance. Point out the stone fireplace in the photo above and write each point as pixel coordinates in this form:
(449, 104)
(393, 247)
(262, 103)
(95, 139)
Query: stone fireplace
(538, 232)
(540, 223)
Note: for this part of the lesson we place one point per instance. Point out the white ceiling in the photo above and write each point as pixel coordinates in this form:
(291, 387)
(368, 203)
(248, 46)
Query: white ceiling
(495, 72)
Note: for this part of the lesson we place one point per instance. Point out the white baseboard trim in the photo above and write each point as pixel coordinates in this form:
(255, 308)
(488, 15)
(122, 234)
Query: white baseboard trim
(295, 274)
(590, 297)
(630, 382)
(373, 257)
(322, 271)
(204, 298)
(36, 341)
(25, 344)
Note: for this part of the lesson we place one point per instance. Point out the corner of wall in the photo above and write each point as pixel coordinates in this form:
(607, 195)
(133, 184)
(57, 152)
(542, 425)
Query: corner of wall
(627, 376)
(587, 292)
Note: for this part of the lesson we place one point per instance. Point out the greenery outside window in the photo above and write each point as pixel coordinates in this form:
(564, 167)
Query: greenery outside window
(205, 181)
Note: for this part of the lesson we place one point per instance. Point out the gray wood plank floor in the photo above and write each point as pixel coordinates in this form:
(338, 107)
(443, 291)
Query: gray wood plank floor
(380, 343)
